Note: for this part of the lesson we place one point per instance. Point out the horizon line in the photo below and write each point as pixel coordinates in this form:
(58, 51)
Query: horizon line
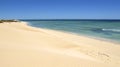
(60, 19)
(70, 19)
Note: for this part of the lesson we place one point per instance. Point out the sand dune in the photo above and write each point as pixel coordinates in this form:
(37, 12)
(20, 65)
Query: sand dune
(25, 46)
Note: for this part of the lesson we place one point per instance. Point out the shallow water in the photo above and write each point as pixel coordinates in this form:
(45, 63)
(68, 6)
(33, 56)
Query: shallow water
(101, 29)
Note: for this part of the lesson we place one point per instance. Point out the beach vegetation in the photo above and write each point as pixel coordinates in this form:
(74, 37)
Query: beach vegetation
(8, 21)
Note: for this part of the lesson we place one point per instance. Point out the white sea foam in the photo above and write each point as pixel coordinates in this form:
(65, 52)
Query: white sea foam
(112, 30)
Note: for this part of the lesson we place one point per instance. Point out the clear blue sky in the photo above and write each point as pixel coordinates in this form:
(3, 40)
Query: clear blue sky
(59, 9)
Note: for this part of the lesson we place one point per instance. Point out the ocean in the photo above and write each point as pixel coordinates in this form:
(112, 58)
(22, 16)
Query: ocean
(102, 29)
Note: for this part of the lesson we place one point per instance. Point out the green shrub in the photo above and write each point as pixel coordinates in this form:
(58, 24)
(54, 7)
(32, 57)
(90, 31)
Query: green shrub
(1, 21)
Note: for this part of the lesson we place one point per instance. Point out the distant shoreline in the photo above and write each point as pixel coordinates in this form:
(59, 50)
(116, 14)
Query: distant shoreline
(8, 21)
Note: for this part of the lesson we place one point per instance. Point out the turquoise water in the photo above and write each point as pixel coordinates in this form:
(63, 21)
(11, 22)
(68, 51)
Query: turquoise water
(101, 29)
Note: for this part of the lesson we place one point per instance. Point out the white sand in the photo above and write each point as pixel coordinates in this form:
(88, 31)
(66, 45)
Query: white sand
(25, 46)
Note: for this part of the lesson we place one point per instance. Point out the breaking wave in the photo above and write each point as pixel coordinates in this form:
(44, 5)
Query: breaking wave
(112, 30)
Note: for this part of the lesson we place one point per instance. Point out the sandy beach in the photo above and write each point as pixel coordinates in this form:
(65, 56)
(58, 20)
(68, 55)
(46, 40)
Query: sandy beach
(25, 46)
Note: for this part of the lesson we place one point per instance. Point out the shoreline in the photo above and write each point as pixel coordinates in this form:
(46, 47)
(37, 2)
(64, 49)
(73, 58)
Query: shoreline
(88, 36)
(26, 46)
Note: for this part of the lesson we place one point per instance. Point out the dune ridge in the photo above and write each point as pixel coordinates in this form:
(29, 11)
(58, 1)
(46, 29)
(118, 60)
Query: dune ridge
(25, 46)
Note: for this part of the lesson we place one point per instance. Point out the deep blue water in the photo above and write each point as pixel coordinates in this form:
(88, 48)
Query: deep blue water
(101, 29)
